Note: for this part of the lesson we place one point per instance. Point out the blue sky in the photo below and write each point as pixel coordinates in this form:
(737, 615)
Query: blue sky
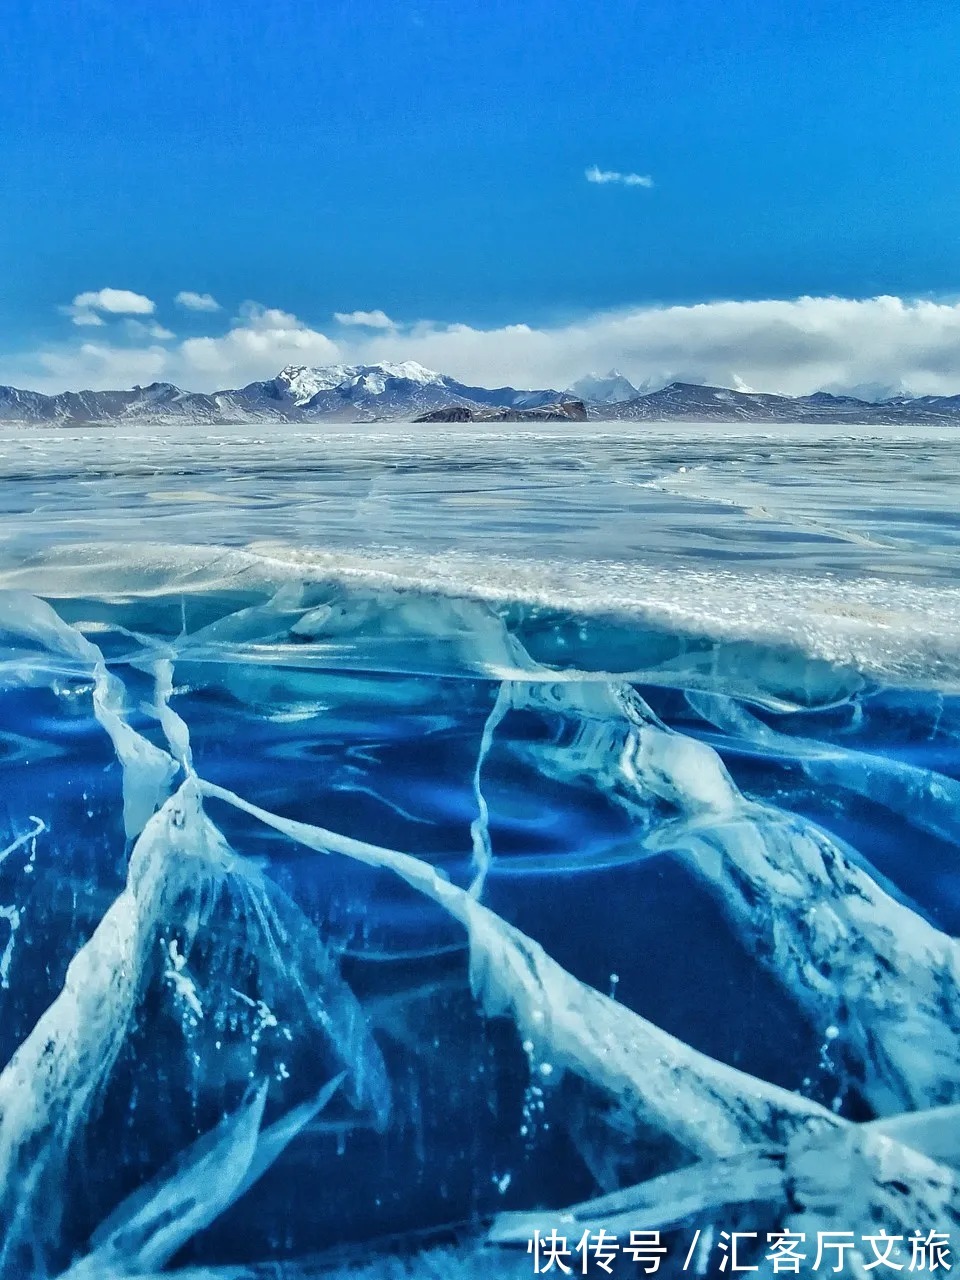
(428, 159)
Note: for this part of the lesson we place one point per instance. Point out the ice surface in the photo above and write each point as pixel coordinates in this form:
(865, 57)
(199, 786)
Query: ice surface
(412, 842)
(148, 1229)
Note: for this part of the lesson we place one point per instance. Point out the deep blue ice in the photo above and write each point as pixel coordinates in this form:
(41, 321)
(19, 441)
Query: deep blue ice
(581, 806)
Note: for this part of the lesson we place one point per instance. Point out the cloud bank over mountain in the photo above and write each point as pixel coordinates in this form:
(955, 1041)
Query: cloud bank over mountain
(873, 346)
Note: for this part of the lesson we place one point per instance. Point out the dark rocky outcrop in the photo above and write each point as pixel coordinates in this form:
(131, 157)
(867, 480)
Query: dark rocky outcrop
(563, 411)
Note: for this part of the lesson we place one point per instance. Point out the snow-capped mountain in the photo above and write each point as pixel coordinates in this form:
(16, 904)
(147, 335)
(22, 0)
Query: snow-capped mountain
(349, 392)
(690, 402)
(605, 388)
(407, 391)
(159, 401)
(298, 393)
(301, 384)
(21, 406)
(388, 391)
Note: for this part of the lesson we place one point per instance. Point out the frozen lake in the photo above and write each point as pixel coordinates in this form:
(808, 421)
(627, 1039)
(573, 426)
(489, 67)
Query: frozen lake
(877, 501)
(582, 805)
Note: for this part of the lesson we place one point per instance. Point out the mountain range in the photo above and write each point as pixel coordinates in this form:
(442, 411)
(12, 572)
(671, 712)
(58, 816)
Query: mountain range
(407, 391)
(336, 393)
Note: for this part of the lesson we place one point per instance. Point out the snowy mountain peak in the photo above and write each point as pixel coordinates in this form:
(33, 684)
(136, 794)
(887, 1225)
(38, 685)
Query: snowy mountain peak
(605, 388)
(300, 383)
(409, 371)
(157, 391)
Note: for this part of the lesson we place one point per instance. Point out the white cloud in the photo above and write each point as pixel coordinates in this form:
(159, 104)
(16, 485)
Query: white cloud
(365, 319)
(97, 367)
(137, 329)
(118, 302)
(793, 345)
(85, 319)
(603, 176)
(86, 307)
(261, 341)
(196, 301)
